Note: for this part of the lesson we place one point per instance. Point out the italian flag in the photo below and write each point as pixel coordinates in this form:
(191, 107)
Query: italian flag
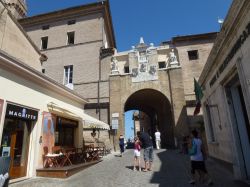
(198, 95)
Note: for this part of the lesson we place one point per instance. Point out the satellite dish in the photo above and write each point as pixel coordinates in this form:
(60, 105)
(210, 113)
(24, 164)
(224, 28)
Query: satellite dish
(220, 21)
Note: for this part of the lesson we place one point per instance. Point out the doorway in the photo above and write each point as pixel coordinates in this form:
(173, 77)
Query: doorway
(15, 143)
(240, 120)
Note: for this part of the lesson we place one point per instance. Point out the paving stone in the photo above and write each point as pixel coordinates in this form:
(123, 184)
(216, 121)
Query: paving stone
(170, 169)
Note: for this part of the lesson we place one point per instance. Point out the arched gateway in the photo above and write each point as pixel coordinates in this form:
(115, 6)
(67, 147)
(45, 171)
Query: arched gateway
(155, 113)
(139, 81)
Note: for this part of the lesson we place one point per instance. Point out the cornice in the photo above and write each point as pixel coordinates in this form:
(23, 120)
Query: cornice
(194, 37)
(83, 10)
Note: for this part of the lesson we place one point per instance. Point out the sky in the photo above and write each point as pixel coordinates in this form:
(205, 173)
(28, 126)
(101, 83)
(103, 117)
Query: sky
(154, 20)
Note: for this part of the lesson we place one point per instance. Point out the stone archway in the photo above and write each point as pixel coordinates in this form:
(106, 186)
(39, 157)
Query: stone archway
(126, 94)
(158, 109)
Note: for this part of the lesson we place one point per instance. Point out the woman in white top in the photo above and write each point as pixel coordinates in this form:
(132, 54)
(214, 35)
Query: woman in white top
(196, 153)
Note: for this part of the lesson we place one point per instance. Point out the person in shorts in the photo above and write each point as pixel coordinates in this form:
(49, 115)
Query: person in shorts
(137, 154)
(197, 158)
(147, 144)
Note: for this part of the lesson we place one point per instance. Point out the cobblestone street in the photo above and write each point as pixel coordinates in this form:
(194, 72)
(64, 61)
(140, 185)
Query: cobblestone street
(170, 169)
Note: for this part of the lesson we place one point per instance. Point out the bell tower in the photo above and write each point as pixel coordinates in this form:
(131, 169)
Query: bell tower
(18, 8)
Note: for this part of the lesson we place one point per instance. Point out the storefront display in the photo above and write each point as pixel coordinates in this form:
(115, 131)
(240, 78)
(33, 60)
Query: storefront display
(65, 130)
(18, 125)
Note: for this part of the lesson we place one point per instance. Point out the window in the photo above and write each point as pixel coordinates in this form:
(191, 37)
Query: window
(68, 75)
(71, 22)
(162, 65)
(71, 38)
(43, 70)
(64, 134)
(126, 69)
(210, 125)
(193, 55)
(45, 27)
(44, 41)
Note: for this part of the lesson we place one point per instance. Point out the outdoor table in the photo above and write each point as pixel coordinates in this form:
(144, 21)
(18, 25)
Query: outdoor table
(52, 159)
(81, 155)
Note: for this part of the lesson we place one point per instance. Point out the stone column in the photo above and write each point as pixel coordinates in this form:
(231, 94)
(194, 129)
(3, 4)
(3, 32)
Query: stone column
(115, 107)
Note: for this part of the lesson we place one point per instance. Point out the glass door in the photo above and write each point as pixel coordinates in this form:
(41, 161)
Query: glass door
(15, 143)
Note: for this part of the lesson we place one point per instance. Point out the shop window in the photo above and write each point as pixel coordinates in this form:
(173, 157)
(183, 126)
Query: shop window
(68, 74)
(71, 38)
(193, 55)
(65, 130)
(210, 125)
(71, 22)
(44, 42)
(45, 27)
(161, 65)
(126, 69)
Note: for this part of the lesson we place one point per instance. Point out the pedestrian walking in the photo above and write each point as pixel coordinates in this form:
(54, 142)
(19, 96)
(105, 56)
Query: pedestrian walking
(121, 144)
(137, 154)
(147, 144)
(158, 139)
(197, 157)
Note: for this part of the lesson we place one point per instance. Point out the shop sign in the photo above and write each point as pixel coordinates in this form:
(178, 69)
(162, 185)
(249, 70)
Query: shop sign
(238, 44)
(21, 112)
(115, 123)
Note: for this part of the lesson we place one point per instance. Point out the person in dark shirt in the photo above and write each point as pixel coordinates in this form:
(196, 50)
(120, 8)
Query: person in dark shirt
(147, 144)
(121, 144)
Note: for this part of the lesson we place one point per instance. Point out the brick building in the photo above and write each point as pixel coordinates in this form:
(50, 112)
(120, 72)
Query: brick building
(78, 42)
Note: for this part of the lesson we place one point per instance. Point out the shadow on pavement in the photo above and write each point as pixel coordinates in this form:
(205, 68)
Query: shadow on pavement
(175, 172)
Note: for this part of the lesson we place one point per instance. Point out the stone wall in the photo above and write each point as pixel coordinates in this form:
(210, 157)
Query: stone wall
(15, 42)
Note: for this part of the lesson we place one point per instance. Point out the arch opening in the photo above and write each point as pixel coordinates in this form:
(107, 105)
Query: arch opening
(153, 112)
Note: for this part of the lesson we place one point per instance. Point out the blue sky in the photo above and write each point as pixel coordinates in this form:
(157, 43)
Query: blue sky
(155, 20)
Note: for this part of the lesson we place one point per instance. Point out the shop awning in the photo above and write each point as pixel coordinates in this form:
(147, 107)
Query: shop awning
(89, 122)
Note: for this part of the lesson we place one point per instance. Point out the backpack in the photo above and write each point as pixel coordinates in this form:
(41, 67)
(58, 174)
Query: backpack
(193, 150)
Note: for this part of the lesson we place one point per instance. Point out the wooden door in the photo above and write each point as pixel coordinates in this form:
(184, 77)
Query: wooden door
(19, 153)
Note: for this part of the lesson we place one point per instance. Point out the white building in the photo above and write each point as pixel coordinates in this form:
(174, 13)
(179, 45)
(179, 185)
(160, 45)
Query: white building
(226, 83)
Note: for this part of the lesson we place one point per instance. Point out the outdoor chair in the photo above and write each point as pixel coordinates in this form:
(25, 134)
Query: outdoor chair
(56, 149)
(50, 160)
(4, 168)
